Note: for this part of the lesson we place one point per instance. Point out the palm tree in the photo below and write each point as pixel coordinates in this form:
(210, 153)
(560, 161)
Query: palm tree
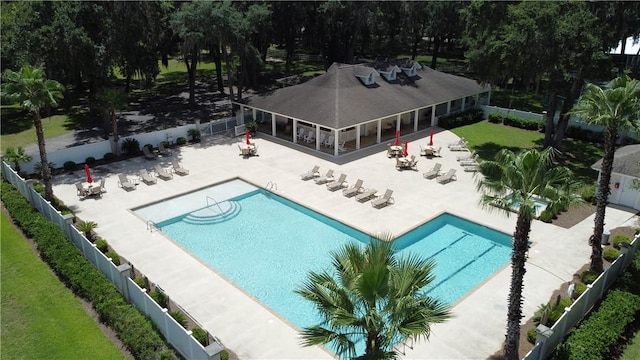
(617, 107)
(16, 156)
(512, 181)
(372, 295)
(111, 100)
(33, 91)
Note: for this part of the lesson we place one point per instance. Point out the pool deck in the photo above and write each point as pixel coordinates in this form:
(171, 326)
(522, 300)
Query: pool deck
(253, 332)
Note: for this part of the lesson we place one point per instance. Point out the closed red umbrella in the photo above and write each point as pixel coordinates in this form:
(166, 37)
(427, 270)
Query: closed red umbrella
(86, 170)
(397, 138)
(431, 138)
(246, 135)
(406, 149)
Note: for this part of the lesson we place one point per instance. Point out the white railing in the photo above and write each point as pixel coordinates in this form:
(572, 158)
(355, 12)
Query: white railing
(174, 333)
(549, 340)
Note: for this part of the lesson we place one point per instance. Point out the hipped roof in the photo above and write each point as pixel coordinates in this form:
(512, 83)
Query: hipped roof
(337, 99)
(626, 161)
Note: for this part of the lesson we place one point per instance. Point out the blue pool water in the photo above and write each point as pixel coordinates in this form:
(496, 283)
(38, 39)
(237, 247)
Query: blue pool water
(267, 245)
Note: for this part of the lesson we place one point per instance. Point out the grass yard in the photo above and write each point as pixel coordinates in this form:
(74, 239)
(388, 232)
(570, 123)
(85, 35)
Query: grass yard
(632, 351)
(41, 318)
(18, 129)
(487, 139)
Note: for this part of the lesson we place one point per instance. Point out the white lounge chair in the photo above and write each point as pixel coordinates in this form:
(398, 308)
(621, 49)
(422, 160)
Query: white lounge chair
(449, 176)
(311, 173)
(178, 169)
(468, 156)
(163, 150)
(125, 183)
(147, 178)
(472, 168)
(325, 178)
(148, 154)
(353, 190)
(433, 172)
(461, 147)
(366, 195)
(162, 173)
(338, 184)
(460, 142)
(383, 200)
(468, 162)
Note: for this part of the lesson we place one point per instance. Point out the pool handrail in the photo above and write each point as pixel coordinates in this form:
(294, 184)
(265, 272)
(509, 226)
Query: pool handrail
(215, 202)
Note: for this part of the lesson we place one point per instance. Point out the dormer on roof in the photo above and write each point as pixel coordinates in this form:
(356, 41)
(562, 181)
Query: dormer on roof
(389, 72)
(409, 67)
(366, 74)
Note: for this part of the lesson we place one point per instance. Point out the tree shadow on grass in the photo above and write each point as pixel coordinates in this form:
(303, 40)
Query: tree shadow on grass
(14, 120)
(489, 150)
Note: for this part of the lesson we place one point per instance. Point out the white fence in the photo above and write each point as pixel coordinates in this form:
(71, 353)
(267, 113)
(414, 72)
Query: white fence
(547, 341)
(120, 276)
(80, 153)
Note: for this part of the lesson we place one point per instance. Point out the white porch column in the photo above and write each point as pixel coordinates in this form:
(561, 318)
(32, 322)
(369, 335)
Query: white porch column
(254, 114)
(433, 115)
(398, 122)
(448, 107)
(378, 131)
(488, 97)
(358, 136)
(415, 120)
(318, 137)
(336, 143)
(295, 131)
(464, 99)
(241, 114)
(273, 124)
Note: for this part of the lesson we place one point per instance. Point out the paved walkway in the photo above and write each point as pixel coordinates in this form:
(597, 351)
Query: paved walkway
(251, 331)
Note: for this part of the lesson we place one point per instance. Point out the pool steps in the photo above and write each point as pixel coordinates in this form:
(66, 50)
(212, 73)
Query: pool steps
(222, 211)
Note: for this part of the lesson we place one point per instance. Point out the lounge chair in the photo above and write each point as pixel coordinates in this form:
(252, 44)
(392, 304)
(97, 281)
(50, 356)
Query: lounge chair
(468, 156)
(472, 168)
(434, 172)
(148, 154)
(366, 195)
(460, 142)
(311, 173)
(472, 161)
(325, 178)
(147, 178)
(162, 173)
(461, 147)
(338, 184)
(82, 191)
(178, 169)
(329, 141)
(125, 183)
(310, 137)
(449, 176)
(163, 150)
(383, 200)
(353, 190)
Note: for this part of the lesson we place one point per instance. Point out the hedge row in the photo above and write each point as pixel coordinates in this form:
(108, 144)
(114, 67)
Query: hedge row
(132, 327)
(594, 338)
(465, 118)
(515, 121)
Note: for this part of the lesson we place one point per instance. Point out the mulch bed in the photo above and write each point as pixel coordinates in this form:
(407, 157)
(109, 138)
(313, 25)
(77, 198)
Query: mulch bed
(574, 215)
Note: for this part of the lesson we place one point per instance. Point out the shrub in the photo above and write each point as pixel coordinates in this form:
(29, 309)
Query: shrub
(495, 118)
(589, 193)
(589, 276)
(532, 335)
(113, 256)
(102, 245)
(90, 160)
(141, 282)
(109, 156)
(87, 228)
(199, 335)
(165, 143)
(130, 146)
(194, 134)
(181, 140)
(610, 254)
(224, 355)
(553, 312)
(159, 297)
(617, 239)
(69, 165)
(179, 317)
(461, 119)
(546, 216)
(579, 290)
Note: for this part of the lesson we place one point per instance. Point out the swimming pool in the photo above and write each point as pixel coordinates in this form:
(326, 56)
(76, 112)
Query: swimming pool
(266, 244)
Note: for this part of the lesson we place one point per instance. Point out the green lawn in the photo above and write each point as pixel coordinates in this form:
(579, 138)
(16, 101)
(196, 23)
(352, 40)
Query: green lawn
(41, 319)
(18, 129)
(632, 351)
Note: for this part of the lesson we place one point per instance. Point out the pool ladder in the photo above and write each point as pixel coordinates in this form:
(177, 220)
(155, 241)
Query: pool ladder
(151, 225)
(271, 186)
(215, 202)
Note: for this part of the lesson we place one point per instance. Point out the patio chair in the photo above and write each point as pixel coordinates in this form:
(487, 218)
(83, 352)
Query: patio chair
(426, 151)
(178, 169)
(310, 137)
(338, 184)
(147, 178)
(162, 173)
(163, 150)
(329, 141)
(98, 189)
(300, 134)
(383, 200)
(148, 154)
(354, 189)
(311, 173)
(366, 195)
(325, 178)
(125, 183)
(253, 151)
(341, 147)
(433, 172)
(468, 156)
(436, 152)
(412, 163)
(82, 191)
(449, 176)
(322, 138)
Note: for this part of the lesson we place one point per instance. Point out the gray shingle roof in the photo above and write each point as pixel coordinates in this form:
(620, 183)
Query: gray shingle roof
(625, 161)
(337, 99)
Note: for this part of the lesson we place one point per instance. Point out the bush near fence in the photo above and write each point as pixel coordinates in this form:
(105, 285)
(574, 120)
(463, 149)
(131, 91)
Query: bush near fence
(135, 331)
(596, 336)
(464, 118)
(514, 121)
